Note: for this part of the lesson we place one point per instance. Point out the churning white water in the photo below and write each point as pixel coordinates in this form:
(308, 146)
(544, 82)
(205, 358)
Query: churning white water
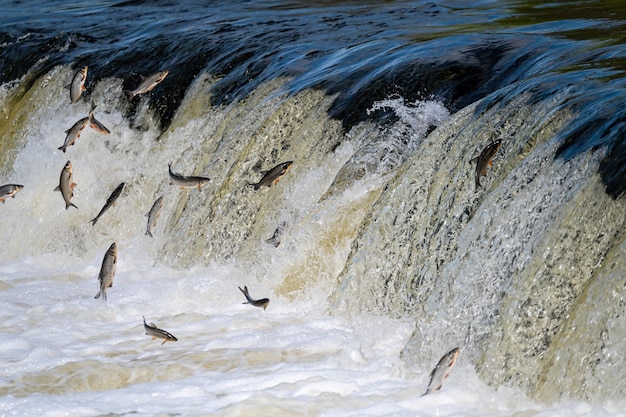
(63, 353)
(66, 354)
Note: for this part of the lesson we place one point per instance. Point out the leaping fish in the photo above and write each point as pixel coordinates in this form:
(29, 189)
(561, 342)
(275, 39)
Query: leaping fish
(107, 271)
(77, 85)
(275, 239)
(442, 370)
(156, 333)
(272, 176)
(485, 159)
(73, 133)
(9, 190)
(261, 302)
(95, 123)
(110, 201)
(148, 83)
(186, 181)
(153, 215)
(66, 185)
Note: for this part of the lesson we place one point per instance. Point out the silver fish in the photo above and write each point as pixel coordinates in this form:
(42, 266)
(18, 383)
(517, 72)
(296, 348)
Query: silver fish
(148, 83)
(66, 186)
(107, 271)
(261, 302)
(186, 181)
(442, 370)
(95, 123)
(77, 86)
(153, 215)
(156, 333)
(9, 190)
(275, 239)
(74, 132)
(272, 176)
(485, 159)
(110, 201)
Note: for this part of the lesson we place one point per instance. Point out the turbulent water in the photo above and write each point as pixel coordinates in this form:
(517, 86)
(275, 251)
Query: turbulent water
(378, 250)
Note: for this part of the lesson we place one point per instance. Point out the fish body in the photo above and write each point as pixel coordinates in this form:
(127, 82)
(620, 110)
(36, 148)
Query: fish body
(110, 201)
(485, 159)
(107, 271)
(272, 176)
(148, 83)
(66, 185)
(153, 215)
(156, 333)
(186, 181)
(96, 125)
(74, 132)
(442, 370)
(77, 85)
(9, 190)
(261, 302)
(275, 239)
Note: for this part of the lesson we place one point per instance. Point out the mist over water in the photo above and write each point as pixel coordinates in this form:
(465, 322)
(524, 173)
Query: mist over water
(376, 249)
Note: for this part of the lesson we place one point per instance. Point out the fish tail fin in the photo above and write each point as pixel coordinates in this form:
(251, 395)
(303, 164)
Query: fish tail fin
(62, 148)
(68, 205)
(148, 233)
(93, 221)
(98, 295)
(247, 294)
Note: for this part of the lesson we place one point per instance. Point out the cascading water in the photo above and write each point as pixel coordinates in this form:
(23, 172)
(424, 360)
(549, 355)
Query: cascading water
(377, 221)
(497, 270)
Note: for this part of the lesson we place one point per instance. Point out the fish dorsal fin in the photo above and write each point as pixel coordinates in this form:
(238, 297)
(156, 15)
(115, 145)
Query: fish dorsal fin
(474, 160)
(58, 188)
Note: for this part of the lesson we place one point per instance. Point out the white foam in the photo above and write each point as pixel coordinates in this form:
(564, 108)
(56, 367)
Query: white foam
(229, 358)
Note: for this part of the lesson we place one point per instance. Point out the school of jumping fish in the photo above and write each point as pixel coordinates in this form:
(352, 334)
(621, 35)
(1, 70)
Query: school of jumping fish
(270, 177)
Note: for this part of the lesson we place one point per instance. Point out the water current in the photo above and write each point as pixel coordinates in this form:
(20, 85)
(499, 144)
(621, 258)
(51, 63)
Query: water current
(384, 245)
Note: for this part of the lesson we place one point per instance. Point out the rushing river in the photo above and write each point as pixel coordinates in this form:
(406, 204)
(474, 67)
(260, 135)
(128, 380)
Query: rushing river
(381, 248)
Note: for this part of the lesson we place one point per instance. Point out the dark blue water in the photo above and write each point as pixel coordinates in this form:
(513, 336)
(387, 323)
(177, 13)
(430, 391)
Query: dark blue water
(456, 51)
